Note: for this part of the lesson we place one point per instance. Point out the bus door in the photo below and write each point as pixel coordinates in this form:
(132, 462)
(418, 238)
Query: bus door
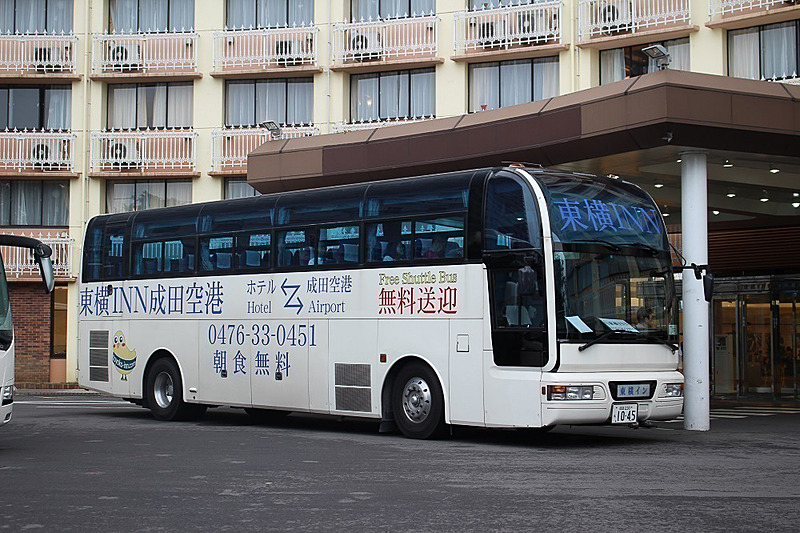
(514, 259)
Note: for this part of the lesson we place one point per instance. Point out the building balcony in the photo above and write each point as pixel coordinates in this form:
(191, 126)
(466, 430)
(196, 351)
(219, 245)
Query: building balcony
(397, 43)
(35, 153)
(171, 56)
(614, 23)
(38, 56)
(371, 125)
(19, 262)
(230, 146)
(733, 14)
(169, 152)
(508, 32)
(267, 51)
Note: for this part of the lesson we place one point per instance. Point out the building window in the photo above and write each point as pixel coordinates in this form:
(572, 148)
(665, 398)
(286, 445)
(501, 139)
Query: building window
(390, 9)
(393, 95)
(286, 101)
(239, 188)
(36, 16)
(249, 14)
(58, 346)
(764, 52)
(150, 16)
(505, 83)
(36, 108)
(34, 203)
(136, 195)
(477, 5)
(621, 63)
(153, 106)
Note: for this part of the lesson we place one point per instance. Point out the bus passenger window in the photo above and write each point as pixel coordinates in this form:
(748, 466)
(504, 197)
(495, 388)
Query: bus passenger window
(338, 245)
(179, 256)
(216, 253)
(389, 241)
(439, 238)
(512, 221)
(253, 250)
(296, 248)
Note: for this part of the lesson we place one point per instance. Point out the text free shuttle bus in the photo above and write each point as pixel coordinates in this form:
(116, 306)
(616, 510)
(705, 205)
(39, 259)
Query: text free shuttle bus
(504, 297)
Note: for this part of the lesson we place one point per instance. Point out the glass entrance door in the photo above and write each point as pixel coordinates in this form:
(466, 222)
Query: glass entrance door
(758, 375)
(725, 346)
(787, 355)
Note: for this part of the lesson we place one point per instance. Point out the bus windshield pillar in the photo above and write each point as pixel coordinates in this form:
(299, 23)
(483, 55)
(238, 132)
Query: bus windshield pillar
(694, 238)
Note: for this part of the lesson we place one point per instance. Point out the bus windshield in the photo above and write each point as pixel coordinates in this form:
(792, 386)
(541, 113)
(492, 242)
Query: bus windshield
(612, 261)
(6, 324)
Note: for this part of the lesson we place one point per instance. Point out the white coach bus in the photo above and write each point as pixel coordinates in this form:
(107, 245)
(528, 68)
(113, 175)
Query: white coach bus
(503, 297)
(40, 253)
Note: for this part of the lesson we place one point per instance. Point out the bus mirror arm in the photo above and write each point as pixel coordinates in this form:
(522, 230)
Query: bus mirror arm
(707, 277)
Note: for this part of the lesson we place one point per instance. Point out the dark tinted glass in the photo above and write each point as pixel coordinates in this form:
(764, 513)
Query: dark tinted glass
(159, 223)
(319, 207)
(512, 221)
(24, 108)
(434, 194)
(115, 246)
(238, 215)
(92, 251)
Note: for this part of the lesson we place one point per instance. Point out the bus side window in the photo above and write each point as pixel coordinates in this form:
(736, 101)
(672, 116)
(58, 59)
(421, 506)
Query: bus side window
(512, 220)
(115, 241)
(253, 250)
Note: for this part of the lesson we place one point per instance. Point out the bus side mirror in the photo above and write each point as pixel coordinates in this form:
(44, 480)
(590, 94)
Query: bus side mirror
(708, 286)
(41, 255)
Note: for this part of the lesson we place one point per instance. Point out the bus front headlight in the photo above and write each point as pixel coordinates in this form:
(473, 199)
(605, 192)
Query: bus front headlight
(574, 392)
(672, 390)
(8, 394)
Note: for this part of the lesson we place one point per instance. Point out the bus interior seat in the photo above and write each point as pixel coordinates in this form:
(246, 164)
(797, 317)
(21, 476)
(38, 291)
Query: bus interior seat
(452, 249)
(149, 264)
(252, 258)
(514, 314)
(350, 253)
(223, 260)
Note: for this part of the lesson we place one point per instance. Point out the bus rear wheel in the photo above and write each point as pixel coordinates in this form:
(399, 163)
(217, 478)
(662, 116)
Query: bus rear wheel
(165, 393)
(418, 402)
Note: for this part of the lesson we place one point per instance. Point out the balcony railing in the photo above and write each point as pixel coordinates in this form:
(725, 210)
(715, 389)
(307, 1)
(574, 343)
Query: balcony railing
(602, 18)
(230, 146)
(722, 8)
(385, 39)
(145, 53)
(242, 50)
(19, 262)
(144, 150)
(359, 126)
(36, 150)
(507, 27)
(37, 53)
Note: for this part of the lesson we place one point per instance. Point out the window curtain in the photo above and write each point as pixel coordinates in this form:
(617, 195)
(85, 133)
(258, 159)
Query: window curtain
(779, 51)
(55, 203)
(393, 9)
(59, 16)
(271, 101)
(153, 16)
(679, 54)
(300, 102)
(365, 10)
(515, 82)
(240, 104)
(123, 16)
(364, 98)
(122, 107)
(5, 203)
(150, 194)
(301, 12)
(423, 7)
(57, 108)
(179, 106)
(181, 15)
(484, 87)
(241, 14)
(271, 13)
(612, 65)
(179, 193)
(151, 104)
(120, 196)
(238, 188)
(31, 16)
(423, 93)
(23, 108)
(6, 16)
(393, 95)
(545, 78)
(743, 54)
(26, 203)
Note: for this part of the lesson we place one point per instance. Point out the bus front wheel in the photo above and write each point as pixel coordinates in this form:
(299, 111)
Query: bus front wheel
(418, 402)
(165, 393)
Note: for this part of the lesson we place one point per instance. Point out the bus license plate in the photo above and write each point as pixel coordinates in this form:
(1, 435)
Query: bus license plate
(624, 413)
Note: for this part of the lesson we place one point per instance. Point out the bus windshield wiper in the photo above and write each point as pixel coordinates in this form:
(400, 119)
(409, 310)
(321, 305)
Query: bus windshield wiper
(652, 249)
(610, 245)
(671, 345)
(606, 335)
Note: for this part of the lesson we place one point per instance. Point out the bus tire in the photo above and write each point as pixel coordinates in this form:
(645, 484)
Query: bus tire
(165, 393)
(265, 416)
(418, 402)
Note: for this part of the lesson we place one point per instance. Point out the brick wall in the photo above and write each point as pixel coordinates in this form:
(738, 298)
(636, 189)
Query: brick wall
(30, 306)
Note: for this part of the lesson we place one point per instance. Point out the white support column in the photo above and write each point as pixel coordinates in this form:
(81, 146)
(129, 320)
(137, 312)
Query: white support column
(694, 238)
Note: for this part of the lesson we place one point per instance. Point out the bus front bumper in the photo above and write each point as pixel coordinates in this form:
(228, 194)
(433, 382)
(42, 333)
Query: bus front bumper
(600, 408)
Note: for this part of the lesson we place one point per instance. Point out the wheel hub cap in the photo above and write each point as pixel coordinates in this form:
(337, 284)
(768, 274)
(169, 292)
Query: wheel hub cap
(417, 400)
(163, 390)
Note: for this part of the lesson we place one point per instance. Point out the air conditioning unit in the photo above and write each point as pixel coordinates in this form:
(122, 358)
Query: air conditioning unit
(289, 53)
(124, 56)
(490, 34)
(50, 156)
(536, 25)
(48, 59)
(614, 15)
(366, 46)
(122, 153)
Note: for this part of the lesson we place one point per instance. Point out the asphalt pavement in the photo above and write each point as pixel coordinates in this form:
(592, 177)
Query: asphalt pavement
(72, 462)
